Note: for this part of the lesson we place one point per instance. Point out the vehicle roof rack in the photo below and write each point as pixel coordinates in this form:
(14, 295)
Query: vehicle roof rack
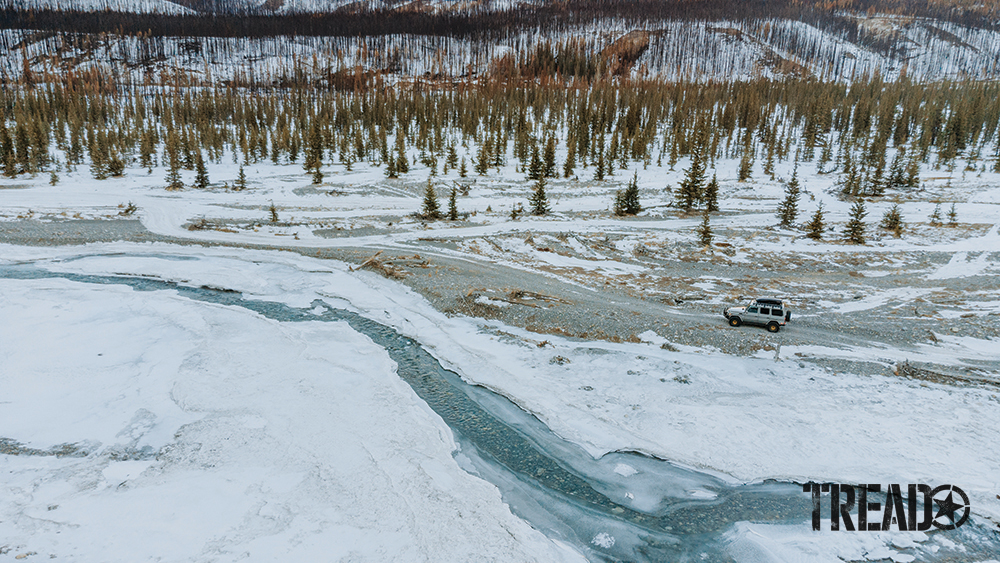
(769, 301)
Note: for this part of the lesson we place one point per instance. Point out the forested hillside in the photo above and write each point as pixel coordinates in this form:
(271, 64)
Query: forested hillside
(875, 136)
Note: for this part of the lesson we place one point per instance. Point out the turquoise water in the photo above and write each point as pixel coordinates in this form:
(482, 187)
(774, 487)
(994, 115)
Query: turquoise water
(663, 512)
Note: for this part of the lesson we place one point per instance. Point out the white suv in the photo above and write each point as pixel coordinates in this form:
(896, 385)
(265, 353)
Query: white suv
(763, 311)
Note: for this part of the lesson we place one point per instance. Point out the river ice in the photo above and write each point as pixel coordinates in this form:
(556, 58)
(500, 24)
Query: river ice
(296, 440)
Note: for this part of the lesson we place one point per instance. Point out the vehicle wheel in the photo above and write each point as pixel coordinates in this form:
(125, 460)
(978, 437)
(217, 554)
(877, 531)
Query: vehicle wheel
(773, 326)
(735, 321)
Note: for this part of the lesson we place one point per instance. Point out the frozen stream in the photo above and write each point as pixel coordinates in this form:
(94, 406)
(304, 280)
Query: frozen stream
(623, 506)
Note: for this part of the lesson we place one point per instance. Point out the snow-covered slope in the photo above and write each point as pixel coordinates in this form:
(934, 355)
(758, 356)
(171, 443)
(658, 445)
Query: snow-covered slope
(717, 50)
(214, 434)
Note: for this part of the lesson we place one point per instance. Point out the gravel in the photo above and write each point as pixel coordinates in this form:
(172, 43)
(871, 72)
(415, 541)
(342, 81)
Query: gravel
(588, 306)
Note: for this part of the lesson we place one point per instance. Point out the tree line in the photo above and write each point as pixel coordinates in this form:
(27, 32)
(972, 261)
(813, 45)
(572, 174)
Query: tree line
(873, 135)
(241, 19)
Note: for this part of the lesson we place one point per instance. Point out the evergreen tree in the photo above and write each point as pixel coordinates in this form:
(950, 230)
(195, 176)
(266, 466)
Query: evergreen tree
(453, 205)
(627, 200)
(538, 201)
(201, 176)
(390, 169)
(116, 166)
(854, 232)
(452, 161)
(711, 197)
(536, 169)
(952, 216)
(402, 163)
(825, 156)
(746, 162)
(705, 229)
(483, 157)
(463, 171)
(274, 213)
(935, 216)
(314, 155)
(53, 178)
(788, 210)
(515, 211)
(599, 167)
(892, 220)
(897, 173)
(241, 181)
(174, 179)
(430, 210)
(549, 159)
(570, 161)
(913, 170)
(692, 187)
(814, 229)
(8, 156)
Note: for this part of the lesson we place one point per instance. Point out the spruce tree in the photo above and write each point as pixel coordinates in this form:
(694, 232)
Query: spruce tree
(7, 154)
(897, 173)
(536, 169)
(390, 169)
(402, 163)
(892, 220)
(241, 181)
(430, 210)
(711, 197)
(538, 201)
(600, 165)
(274, 213)
(692, 187)
(114, 165)
(618, 208)
(201, 176)
(952, 216)
(483, 158)
(705, 229)
(549, 158)
(53, 178)
(912, 176)
(788, 210)
(814, 229)
(314, 155)
(935, 216)
(627, 200)
(746, 163)
(570, 164)
(453, 205)
(463, 171)
(854, 232)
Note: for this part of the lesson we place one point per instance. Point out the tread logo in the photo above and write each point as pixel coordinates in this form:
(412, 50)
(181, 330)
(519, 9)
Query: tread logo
(945, 507)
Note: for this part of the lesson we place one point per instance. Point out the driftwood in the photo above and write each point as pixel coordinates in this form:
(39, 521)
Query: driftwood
(368, 262)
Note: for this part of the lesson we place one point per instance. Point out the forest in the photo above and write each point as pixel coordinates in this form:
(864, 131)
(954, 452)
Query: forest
(874, 135)
(237, 19)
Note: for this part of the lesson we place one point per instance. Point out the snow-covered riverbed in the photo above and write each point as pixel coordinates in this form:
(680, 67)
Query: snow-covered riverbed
(297, 440)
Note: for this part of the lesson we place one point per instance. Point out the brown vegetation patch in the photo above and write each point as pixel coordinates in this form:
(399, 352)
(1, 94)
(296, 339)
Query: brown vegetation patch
(625, 51)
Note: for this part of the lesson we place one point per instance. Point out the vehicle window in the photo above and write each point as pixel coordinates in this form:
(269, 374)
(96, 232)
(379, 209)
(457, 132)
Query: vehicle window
(765, 311)
(752, 310)
(776, 312)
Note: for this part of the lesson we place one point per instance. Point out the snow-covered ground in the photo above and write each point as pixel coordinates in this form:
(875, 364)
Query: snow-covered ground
(272, 441)
(297, 441)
